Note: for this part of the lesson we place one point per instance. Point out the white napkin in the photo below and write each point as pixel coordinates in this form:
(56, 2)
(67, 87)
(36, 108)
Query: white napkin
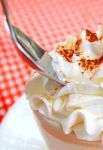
(19, 130)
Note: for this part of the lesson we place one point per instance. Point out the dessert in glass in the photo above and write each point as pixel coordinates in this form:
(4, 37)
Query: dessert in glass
(71, 116)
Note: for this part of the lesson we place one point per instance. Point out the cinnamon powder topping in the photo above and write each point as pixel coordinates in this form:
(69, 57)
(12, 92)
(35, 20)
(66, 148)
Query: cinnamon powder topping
(91, 37)
(67, 53)
(77, 44)
(90, 64)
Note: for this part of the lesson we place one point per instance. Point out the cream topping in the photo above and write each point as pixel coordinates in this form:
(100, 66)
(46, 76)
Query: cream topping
(80, 57)
(75, 108)
(78, 106)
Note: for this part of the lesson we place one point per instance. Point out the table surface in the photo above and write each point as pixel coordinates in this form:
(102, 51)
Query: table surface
(47, 22)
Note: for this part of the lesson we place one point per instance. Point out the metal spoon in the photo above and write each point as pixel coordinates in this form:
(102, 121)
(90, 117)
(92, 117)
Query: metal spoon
(34, 55)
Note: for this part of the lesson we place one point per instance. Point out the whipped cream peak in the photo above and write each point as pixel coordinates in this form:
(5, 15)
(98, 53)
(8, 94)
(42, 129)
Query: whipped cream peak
(100, 31)
(88, 45)
(82, 55)
(91, 45)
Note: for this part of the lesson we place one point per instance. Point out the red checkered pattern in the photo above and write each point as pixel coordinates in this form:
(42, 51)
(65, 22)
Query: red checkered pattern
(13, 75)
(46, 21)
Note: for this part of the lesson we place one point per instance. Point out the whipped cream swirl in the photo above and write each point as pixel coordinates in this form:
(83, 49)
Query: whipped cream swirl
(78, 106)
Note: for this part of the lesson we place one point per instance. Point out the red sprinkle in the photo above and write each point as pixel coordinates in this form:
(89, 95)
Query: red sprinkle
(68, 53)
(90, 64)
(91, 37)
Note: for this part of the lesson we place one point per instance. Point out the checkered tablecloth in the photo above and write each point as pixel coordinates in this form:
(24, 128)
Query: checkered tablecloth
(47, 22)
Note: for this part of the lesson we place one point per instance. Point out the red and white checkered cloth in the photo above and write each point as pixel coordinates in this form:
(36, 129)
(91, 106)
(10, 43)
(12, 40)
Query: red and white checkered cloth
(47, 22)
